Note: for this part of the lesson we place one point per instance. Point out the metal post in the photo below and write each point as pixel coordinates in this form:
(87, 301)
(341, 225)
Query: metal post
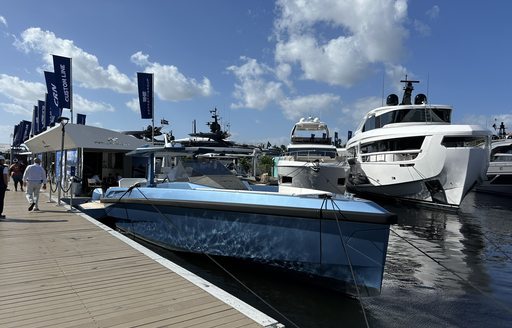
(49, 174)
(71, 178)
(63, 121)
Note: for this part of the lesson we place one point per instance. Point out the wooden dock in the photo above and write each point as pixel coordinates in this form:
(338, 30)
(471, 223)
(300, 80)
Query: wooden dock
(62, 269)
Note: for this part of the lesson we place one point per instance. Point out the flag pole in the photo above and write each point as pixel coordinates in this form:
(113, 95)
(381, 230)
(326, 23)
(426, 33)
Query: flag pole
(71, 88)
(153, 109)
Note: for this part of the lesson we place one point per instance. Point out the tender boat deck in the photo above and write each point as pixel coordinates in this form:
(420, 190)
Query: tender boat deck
(60, 269)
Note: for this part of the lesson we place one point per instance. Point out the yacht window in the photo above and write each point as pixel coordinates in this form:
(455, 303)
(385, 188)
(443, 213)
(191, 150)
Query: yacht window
(502, 150)
(313, 152)
(441, 114)
(423, 114)
(502, 158)
(369, 124)
(504, 179)
(286, 179)
(409, 143)
(413, 115)
(470, 141)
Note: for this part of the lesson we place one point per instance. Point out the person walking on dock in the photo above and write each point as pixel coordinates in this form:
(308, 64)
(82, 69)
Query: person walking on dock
(16, 171)
(33, 177)
(3, 184)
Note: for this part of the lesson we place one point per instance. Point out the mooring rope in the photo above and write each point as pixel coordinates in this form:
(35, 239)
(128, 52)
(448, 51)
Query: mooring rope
(50, 182)
(337, 210)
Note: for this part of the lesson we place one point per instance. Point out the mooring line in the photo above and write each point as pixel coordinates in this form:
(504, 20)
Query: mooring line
(359, 298)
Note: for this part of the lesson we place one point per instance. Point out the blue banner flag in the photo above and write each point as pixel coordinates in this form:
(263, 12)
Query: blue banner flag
(26, 125)
(41, 113)
(145, 84)
(51, 113)
(15, 135)
(52, 100)
(35, 121)
(80, 119)
(62, 68)
(349, 135)
(19, 135)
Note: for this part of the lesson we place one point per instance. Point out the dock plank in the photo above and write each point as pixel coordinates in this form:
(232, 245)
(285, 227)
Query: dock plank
(60, 269)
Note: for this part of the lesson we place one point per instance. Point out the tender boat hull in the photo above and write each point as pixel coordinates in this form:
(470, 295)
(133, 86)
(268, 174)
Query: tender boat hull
(294, 233)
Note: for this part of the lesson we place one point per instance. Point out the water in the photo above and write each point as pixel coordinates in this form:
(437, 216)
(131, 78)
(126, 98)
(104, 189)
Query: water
(471, 286)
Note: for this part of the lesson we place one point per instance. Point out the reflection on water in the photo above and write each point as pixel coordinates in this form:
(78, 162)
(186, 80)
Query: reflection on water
(475, 244)
(449, 245)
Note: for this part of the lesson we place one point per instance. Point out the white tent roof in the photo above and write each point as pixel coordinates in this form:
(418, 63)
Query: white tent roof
(82, 136)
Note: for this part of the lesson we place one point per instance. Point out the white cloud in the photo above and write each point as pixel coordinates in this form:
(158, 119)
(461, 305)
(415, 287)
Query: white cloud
(140, 59)
(24, 96)
(312, 105)
(3, 21)
(364, 32)
(170, 83)
(396, 73)
(433, 12)
(422, 28)
(134, 105)
(83, 105)
(253, 90)
(17, 109)
(21, 93)
(357, 111)
(86, 68)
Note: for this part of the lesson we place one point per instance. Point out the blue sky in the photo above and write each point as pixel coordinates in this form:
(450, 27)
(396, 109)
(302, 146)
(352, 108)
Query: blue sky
(262, 64)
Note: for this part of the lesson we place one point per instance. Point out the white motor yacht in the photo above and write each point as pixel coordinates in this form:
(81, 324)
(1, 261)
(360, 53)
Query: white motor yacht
(412, 151)
(312, 161)
(499, 173)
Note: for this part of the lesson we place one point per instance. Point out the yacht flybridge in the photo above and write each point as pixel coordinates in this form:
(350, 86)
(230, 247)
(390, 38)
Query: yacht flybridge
(412, 151)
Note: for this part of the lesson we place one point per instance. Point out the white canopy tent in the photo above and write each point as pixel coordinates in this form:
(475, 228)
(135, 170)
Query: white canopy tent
(82, 136)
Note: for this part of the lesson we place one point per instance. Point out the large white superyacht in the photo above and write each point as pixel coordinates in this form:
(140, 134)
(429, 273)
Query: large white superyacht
(413, 152)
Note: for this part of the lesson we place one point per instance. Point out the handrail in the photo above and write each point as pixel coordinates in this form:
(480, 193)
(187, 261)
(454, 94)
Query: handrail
(390, 156)
(408, 151)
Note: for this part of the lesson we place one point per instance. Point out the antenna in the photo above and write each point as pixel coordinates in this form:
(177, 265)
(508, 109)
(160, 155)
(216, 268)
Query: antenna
(382, 96)
(428, 85)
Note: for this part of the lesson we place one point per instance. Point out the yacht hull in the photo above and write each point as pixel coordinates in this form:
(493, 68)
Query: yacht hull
(328, 177)
(277, 234)
(461, 170)
(436, 172)
(499, 173)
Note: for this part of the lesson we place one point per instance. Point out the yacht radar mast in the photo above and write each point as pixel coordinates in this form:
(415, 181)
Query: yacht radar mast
(406, 100)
